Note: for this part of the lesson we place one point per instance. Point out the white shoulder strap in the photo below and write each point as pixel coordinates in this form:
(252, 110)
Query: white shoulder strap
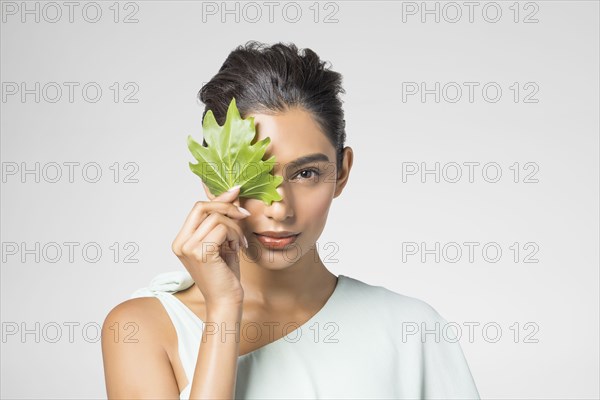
(187, 324)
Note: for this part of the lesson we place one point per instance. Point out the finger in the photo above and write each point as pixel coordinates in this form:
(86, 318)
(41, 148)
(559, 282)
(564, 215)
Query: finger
(229, 195)
(209, 246)
(236, 198)
(219, 234)
(199, 213)
(234, 231)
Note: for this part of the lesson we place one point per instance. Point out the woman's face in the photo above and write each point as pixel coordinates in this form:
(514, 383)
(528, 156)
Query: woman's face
(307, 189)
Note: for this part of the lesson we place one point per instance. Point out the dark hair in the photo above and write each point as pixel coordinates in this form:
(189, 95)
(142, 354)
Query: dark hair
(269, 79)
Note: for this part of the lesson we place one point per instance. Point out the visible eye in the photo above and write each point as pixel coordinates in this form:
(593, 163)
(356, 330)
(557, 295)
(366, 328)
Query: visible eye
(306, 174)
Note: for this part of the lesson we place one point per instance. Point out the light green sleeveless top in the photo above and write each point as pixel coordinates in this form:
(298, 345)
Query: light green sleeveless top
(366, 342)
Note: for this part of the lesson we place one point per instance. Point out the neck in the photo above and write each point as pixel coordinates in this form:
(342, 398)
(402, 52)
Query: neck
(302, 282)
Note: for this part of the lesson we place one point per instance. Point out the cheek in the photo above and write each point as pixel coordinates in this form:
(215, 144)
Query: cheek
(312, 211)
(311, 207)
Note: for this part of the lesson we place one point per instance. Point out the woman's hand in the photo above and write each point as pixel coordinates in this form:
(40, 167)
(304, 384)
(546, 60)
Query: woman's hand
(208, 246)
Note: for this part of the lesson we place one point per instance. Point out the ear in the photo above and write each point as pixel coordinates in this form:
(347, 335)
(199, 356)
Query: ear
(344, 173)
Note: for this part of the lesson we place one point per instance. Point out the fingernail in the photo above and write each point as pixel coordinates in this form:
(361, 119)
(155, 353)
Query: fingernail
(234, 188)
(243, 210)
(245, 241)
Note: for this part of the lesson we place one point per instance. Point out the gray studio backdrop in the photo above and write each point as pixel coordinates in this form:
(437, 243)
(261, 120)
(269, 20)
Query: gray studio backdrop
(474, 187)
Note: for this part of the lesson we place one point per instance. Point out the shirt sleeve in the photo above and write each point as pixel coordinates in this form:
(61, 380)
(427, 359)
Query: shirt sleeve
(446, 373)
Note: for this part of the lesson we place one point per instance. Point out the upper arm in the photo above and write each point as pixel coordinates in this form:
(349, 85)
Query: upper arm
(136, 364)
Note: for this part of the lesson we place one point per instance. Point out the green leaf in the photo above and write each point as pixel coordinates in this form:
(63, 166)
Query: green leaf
(230, 159)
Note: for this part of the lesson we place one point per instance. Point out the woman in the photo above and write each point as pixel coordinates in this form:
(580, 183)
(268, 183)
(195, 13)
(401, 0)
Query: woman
(260, 316)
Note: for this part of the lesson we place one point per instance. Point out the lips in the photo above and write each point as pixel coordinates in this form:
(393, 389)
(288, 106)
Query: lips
(277, 234)
(276, 240)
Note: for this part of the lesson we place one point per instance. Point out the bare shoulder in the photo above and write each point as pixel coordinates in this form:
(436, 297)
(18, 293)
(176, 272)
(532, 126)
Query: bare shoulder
(141, 318)
(135, 344)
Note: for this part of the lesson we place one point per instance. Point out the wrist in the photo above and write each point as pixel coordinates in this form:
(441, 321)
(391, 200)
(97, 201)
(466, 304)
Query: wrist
(229, 311)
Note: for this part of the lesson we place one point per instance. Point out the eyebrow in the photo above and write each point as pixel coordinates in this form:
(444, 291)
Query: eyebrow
(309, 158)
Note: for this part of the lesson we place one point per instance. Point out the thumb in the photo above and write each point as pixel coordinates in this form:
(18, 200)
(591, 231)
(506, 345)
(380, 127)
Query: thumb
(229, 195)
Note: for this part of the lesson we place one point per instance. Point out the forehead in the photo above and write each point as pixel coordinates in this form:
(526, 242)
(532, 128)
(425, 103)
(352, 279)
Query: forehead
(293, 133)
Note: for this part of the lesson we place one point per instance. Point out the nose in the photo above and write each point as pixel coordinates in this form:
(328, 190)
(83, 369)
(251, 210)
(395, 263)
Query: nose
(282, 209)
